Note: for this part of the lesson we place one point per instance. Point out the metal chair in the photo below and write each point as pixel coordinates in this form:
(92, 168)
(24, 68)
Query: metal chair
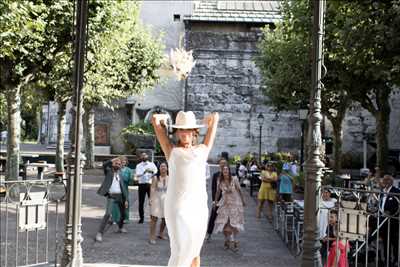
(298, 225)
(276, 216)
(288, 223)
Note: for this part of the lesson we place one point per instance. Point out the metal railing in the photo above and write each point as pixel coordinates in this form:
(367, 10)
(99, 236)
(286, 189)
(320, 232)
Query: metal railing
(365, 229)
(30, 221)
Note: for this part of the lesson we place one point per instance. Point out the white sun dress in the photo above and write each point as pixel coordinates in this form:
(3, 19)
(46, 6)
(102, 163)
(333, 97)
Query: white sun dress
(186, 211)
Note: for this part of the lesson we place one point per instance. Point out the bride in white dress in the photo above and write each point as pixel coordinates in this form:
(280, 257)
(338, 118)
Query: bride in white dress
(186, 211)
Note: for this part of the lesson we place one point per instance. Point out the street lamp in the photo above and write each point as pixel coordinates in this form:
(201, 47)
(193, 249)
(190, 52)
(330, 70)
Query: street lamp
(313, 165)
(303, 113)
(260, 119)
(72, 255)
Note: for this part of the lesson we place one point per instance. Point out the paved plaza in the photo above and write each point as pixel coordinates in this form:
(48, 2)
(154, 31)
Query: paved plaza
(259, 244)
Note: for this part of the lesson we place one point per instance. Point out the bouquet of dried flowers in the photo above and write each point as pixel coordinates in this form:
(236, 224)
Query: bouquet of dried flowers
(181, 62)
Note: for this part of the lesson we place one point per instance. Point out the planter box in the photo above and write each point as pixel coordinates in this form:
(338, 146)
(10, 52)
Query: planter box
(141, 141)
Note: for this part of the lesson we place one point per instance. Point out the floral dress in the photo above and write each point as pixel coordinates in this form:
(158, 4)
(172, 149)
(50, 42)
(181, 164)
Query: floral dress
(230, 207)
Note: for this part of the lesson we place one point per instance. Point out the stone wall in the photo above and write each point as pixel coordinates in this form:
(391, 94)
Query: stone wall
(225, 79)
(116, 120)
(164, 18)
(352, 126)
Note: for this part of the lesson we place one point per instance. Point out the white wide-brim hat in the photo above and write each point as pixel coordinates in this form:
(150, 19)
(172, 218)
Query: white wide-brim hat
(186, 120)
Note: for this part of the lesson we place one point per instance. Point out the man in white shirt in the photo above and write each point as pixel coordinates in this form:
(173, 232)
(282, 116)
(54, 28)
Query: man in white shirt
(145, 170)
(242, 172)
(293, 168)
(112, 188)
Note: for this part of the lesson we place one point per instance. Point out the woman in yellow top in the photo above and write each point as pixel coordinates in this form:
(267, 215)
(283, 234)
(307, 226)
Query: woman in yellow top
(267, 191)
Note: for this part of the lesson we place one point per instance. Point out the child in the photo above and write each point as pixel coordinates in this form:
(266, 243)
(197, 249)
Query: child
(285, 185)
(337, 255)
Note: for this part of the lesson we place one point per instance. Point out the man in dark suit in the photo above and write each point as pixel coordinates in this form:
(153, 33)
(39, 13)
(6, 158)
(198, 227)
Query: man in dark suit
(214, 186)
(113, 189)
(389, 207)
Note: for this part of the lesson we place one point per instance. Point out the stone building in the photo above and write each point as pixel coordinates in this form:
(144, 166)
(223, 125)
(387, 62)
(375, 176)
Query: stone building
(223, 36)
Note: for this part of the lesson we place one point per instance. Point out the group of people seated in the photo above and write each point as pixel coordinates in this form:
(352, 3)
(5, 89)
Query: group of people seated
(383, 207)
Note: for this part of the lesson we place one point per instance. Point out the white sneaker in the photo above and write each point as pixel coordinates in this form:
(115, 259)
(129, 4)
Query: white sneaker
(99, 237)
(122, 230)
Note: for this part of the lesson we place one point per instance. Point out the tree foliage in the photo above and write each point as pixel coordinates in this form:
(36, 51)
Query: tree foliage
(367, 43)
(122, 57)
(361, 55)
(285, 63)
(37, 48)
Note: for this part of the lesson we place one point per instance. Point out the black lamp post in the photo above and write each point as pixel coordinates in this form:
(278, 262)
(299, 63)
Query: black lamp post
(72, 256)
(260, 119)
(313, 165)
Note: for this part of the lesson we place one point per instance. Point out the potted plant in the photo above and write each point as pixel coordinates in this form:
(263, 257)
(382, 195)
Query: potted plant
(139, 135)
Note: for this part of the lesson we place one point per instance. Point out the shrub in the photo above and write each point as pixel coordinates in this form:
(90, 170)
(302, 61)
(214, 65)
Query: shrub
(265, 157)
(235, 159)
(138, 128)
(299, 181)
(248, 157)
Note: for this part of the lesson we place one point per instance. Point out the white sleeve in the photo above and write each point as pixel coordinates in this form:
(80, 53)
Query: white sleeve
(208, 174)
(139, 169)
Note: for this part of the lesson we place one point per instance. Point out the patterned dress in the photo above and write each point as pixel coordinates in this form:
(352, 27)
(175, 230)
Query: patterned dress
(230, 207)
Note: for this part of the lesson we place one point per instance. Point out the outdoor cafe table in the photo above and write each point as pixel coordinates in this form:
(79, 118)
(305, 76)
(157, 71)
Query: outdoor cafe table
(40, 168)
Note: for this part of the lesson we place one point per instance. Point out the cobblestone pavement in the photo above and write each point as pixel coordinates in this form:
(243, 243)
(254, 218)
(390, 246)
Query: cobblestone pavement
(259, 243)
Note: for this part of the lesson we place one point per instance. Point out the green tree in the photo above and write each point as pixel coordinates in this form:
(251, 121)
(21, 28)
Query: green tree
(123, 59)
(285, 63)
(59, 89)
(22, 27)
(33, 36)
(362, 56)
(367, 42)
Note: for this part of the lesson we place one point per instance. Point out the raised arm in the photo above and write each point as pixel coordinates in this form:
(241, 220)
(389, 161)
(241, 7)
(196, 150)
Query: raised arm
(159, 121)
(211, 121)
